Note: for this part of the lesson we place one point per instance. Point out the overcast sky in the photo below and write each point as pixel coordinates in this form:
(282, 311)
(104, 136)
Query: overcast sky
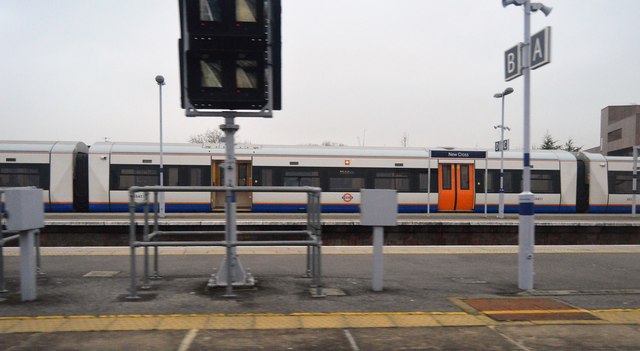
(354, 72)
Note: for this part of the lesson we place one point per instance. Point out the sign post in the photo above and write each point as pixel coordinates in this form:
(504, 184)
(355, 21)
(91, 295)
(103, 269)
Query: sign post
(378, 208)
(539, 56)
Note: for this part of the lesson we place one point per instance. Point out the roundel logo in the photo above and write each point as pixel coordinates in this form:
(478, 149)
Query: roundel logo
(347, 197)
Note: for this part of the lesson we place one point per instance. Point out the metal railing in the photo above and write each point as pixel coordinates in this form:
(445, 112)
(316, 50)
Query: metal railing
(151, 233)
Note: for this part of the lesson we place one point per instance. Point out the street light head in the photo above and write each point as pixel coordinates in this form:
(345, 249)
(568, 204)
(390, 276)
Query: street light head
(538, 6)
(507, 91)
(160, 80)
(506, 3)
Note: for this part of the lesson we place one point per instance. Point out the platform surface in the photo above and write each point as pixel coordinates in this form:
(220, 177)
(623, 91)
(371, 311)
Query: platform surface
(585, 297)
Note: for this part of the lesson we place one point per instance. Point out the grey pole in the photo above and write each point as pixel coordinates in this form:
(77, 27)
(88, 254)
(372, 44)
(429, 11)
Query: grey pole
(502, 128)
(160, 81)
(28, 284)
(634, 181)
(526, 227)
(378, 258)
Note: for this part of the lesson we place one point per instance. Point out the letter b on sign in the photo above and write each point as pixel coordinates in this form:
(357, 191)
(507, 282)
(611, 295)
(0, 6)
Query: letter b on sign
(513, 62)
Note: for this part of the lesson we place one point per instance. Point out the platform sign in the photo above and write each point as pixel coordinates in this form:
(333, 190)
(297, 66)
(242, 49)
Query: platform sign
(458, 154)
(505, 145)
(541, 48)
(513, 62)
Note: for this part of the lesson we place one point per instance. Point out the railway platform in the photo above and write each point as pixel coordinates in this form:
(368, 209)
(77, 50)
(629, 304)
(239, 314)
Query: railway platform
(434, 297)
(111, 229)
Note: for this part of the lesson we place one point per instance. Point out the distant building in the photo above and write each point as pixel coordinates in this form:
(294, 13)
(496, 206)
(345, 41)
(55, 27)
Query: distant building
(619, 129)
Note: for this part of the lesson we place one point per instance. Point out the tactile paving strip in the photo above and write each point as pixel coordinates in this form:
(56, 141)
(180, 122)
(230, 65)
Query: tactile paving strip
(528, 309)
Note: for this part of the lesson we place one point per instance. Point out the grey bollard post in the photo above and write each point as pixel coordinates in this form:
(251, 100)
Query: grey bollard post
(378, 208)
(25, 214)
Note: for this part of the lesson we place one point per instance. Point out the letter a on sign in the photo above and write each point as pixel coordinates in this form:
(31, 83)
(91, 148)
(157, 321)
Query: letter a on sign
(541, 48)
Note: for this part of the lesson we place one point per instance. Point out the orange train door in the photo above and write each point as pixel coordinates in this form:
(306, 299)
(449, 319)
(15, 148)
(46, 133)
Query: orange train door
(455, 190)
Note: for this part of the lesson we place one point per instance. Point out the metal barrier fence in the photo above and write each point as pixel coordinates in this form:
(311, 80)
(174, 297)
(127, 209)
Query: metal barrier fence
(151, 234)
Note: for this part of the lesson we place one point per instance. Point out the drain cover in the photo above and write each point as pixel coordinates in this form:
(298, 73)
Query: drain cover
(527, 309)
(101, 274)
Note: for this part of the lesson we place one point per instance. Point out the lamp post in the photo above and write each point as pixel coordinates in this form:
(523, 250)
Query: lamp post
(526, 226)
(502, 127)
(160, 81)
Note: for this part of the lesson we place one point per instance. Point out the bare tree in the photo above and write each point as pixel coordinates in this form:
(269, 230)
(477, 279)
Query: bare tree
(209, 137)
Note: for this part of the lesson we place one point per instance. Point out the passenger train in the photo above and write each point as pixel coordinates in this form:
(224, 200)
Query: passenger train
(76, 177)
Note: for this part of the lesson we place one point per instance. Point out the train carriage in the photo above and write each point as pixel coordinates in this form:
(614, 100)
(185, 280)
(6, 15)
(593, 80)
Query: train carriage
(59, 168)
(115, 167)
(609, 183)
(77, 178)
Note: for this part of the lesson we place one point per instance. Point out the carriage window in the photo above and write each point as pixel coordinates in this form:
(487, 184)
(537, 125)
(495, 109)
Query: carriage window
(125, 176)
(187, 176)
(512, 181)
(446, 177)
(263, 176)
(620, 182)
(301, 178)
(464, 177)
(24, 175)
(392, 179)
(545, 182)
(346, 180)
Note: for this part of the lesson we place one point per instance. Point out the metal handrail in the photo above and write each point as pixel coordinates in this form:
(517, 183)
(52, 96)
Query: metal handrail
(150, 236)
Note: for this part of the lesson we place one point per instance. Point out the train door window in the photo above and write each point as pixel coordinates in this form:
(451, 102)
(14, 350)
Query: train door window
(545, 181)
(25, 175)
(464, 177)
(446, 177)
(243, 176)
(620, 182)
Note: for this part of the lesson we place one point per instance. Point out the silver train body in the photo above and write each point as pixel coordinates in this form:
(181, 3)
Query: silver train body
(75, 177)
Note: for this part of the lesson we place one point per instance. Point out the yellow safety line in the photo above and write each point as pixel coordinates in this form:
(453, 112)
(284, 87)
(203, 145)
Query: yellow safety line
(301, 320)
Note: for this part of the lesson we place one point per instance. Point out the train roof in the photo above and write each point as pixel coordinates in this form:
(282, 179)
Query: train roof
(536, 155)
(218, 149)
(42, 146)
(308, 150)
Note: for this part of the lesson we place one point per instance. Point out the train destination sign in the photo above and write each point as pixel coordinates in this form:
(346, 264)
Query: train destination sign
(458, 154)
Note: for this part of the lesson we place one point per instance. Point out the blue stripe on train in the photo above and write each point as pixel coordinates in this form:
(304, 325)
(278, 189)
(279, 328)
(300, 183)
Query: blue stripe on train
(58, 207)
(612, 209)
(168, 208)
(538, 209)
(287, 208)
